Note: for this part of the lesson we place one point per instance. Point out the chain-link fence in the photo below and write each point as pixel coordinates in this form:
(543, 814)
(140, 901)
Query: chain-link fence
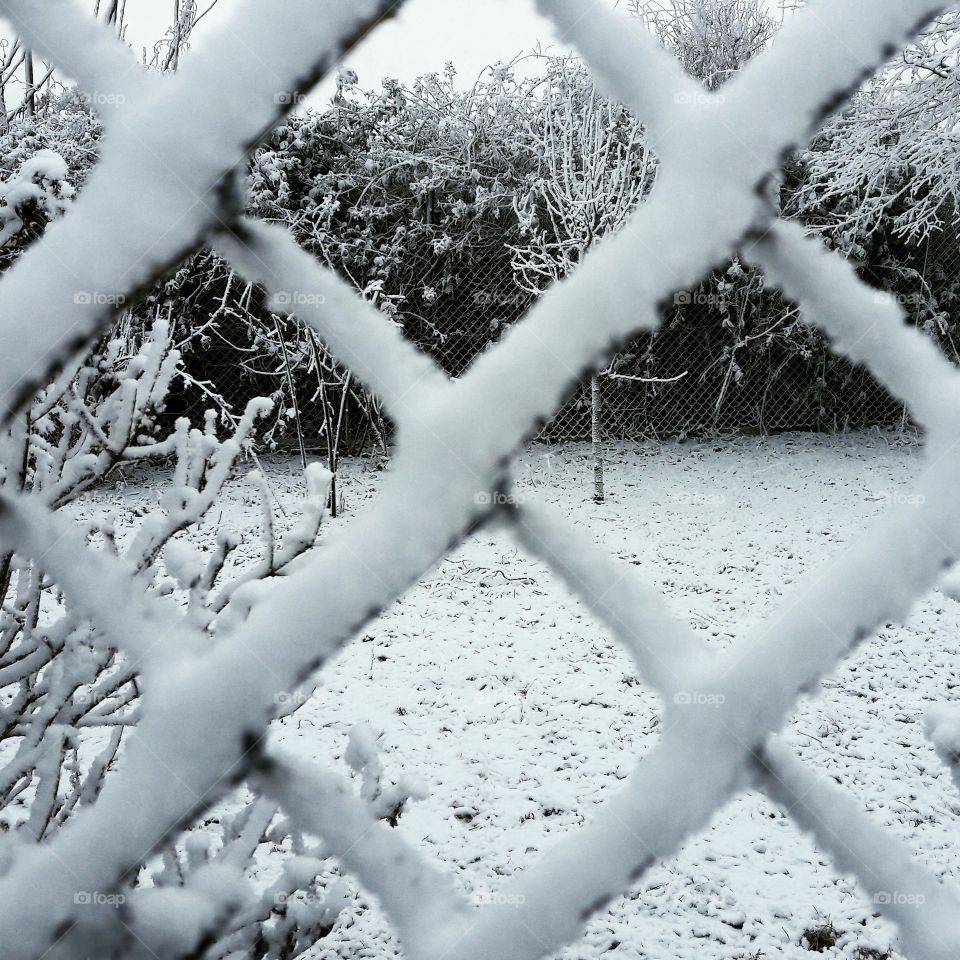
(453, 225)
(211, 685)
(729, 358)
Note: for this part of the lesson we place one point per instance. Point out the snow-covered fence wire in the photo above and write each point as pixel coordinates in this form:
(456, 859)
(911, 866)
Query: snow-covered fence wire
(165, 185)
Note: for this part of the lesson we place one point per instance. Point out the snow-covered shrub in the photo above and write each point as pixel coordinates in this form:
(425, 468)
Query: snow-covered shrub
(713, 39)
(409, 193)
(588, 169)
(67, 702)
(39, 189)
(888, 162)
(68, 126)
(99, 415)
(880, 182)
(43, 162)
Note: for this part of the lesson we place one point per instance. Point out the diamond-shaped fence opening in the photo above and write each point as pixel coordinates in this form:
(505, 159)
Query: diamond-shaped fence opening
(165, 186)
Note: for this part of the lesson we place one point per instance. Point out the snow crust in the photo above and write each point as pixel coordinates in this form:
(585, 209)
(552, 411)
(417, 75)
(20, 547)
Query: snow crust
(502, 690)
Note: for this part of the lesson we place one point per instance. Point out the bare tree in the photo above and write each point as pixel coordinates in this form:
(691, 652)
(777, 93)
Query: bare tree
(11, 57)
(30, 98)
(18, 68)
(167, 51)
(594, 169)
(713, 39)
(890, 159)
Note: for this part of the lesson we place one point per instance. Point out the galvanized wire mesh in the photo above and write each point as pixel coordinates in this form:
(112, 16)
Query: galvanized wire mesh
(703, 373)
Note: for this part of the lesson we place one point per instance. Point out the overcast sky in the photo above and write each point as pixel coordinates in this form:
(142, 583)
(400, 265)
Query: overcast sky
(424, 35)
(422, 38)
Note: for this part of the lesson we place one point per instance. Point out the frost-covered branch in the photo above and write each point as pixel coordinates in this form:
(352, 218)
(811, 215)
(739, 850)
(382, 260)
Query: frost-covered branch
(888, 163)
(167, 181)
(413, 892)
(67, 685)
(712, 39)
(359, 335)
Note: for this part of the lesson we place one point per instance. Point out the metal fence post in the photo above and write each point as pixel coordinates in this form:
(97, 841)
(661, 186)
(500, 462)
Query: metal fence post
(595, 400)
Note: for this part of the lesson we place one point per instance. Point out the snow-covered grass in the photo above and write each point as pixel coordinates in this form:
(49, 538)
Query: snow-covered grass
(519, 713)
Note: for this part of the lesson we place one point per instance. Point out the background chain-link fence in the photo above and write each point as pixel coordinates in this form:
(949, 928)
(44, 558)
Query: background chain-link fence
(728, 359)
(452, 208)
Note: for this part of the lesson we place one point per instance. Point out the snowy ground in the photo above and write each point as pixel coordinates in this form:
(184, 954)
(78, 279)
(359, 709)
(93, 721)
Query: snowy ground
(520, 714)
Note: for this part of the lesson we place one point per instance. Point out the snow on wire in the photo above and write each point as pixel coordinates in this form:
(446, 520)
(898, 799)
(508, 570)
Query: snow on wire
(167, 184)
